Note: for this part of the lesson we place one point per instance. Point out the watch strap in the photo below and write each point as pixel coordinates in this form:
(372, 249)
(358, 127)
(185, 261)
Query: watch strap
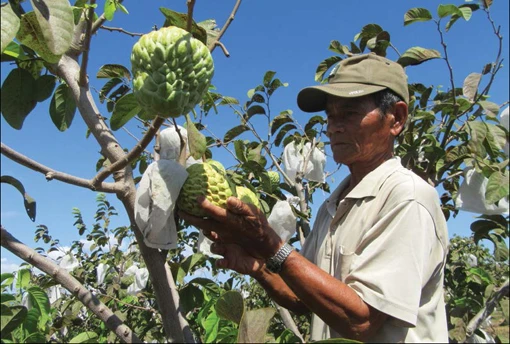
(274, 264)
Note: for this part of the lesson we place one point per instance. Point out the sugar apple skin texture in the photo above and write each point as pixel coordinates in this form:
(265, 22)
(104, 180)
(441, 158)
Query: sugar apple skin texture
(204, 179)
(171, 71)
(208, 179)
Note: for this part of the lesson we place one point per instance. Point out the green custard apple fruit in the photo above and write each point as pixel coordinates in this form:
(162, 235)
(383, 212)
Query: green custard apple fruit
(203, 180)
(219, 167)
(247, 196)
(171, 71)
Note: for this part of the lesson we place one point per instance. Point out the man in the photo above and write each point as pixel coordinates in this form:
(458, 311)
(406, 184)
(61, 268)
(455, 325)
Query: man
(372, 267)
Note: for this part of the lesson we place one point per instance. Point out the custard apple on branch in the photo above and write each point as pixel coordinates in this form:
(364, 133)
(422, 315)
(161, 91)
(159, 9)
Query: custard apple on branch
(204, 179)
(171, 71)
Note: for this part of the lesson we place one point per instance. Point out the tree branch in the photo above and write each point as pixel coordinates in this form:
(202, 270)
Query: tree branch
(52, 174)
(212, 45)
(174, 323)
(60, 275)
(189, 24)
(88, 34)
(133, 154)
(484, 313)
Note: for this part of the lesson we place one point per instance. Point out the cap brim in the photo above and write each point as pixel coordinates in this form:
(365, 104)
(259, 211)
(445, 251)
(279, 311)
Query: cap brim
(313, 98)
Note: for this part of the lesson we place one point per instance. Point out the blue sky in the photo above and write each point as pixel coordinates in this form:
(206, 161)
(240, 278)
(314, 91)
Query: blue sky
(289, 37)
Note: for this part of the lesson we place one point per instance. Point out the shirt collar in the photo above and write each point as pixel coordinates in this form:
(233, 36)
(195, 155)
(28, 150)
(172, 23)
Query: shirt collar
(368, 186)
(371, 183)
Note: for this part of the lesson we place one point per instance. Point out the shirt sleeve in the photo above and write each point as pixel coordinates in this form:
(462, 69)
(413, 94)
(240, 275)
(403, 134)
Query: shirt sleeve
(390, 265)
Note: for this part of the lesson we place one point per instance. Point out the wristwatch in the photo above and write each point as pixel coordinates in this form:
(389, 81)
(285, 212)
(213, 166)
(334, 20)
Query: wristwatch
(274, 264)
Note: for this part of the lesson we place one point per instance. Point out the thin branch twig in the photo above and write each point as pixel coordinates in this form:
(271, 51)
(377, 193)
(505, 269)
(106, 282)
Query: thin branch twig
(118, 29)
(212, 45)
(52, 174)
(133, 154)
(222, 46)
(63, 277)
(85, 57)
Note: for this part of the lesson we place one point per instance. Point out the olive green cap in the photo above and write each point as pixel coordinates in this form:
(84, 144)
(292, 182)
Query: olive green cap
(356, 76)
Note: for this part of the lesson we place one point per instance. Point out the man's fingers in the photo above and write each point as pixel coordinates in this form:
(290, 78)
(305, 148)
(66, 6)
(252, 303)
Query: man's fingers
(237, 206)
(213, 211)
(204, 224)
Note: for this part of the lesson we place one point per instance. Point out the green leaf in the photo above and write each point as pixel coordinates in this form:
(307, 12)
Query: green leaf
(109, 71)
(240, 150)
(280, 120)
(211, 327)
(255, 110)
(6, 279)
(254, 325)
(497, 187)
(85, 337)
(40, 301)
(490, 107)
(337, 47)
(196, 140)
(417, 55)
(110, 84)
(15, 51)
(254, 155)
(209, 25)
(452, 21)
(268, 77)
(11, 318)
(191, 297)
(44, 87)
(109, 9)
(275, 84)
(448, 10)
(467, 12)
(368, 32)
(500, 247)
(23, 278)
(416, 15)
(56, 20)
(30, 205)
(230, 306)
(497, 136)
(62, 107)
(235, 132)
(10, 25)
(31, 35)
(17, 97)
(323, 67)
(283, 131)
(470, 87)
(125, 108)
(181, 20)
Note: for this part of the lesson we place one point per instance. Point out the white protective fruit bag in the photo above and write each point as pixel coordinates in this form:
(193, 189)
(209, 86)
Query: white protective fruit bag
(170, 144)
(155, 201)
(471, 196)
(294, 161)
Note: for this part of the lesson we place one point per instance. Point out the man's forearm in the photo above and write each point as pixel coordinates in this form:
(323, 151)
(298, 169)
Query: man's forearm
(279, 291)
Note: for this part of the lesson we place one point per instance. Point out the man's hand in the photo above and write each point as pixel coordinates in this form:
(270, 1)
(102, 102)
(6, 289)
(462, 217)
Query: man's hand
(235, 258)
(242, 224)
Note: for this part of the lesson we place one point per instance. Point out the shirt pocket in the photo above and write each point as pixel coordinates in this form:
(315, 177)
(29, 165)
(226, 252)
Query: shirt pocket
(344, 259)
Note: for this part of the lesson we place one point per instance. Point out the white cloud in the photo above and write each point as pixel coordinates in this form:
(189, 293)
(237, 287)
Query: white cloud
(7, 267)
